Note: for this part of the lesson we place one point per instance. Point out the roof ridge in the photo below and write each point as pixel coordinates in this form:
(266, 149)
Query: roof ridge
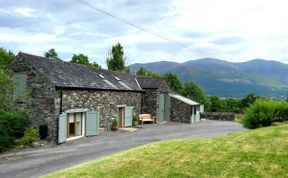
(71, 63)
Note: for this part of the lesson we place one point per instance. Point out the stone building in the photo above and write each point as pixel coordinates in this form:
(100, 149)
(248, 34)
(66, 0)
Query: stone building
(72, 100)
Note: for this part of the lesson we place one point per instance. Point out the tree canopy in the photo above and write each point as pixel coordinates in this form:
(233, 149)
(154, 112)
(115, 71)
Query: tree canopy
(51, 54)
(174, 82)
(194, 92)
(116, 59)
(6, 92)
(6, 57)
(83, 59)
(144, 72)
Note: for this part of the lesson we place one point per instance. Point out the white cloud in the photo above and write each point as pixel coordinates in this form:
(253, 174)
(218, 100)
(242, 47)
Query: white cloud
(26, 12)
(231, 30)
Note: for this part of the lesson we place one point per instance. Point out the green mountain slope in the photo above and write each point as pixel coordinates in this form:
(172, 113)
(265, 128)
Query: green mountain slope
(225, 79)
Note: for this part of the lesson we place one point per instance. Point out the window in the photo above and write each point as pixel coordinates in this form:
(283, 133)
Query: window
(20, 81)
(101, 76)
(118, 79)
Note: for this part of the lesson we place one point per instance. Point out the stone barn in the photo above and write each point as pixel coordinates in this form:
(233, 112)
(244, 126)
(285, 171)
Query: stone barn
(66, 101)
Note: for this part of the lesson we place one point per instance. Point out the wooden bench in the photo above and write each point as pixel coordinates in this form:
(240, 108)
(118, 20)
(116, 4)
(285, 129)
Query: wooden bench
(145, 118)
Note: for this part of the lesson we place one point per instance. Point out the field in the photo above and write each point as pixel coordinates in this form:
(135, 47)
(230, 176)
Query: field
(255, 153)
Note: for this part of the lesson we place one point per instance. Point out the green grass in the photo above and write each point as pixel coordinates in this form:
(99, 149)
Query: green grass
(255, 153)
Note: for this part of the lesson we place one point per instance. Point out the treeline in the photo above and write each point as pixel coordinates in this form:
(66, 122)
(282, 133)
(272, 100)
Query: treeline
(193, 91)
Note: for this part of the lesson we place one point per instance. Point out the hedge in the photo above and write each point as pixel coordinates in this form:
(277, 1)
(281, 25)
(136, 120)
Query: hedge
(264, 112)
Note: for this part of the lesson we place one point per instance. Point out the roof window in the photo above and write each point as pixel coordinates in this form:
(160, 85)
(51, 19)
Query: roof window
(118, 79)
(101, 76)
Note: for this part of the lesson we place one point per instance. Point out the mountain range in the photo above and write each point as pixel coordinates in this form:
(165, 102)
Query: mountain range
(228, 79)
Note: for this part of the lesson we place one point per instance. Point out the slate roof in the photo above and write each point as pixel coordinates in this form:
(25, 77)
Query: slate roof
(68, 75)
(150, 82)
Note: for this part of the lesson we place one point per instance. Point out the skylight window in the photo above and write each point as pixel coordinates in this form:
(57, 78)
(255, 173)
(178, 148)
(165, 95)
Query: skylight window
(118, 79)
(101, 76)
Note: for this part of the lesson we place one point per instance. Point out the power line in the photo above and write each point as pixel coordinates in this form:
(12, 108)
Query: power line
(131, 24)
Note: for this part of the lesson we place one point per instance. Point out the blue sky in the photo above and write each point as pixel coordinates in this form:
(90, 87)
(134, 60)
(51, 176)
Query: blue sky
(226, 29)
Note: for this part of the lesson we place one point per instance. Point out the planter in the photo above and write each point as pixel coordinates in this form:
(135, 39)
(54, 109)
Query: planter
(135, 123)
(114, 128)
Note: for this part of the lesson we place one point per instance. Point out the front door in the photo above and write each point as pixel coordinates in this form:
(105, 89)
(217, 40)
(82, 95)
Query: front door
(121, 116)
(74, 124)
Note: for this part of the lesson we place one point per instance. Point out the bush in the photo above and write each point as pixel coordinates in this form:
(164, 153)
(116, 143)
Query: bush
(115, 122)
(6, 143)
(135, 118)
(30, 135)
(264, 112)
(11, 125)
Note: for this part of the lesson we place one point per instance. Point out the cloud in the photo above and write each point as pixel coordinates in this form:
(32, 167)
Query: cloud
(231, 30)
(26, 12)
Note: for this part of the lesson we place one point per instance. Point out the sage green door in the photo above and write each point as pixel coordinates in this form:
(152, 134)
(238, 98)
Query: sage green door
(160, 113)
(92, 123)
(166, 107)
(128, 116)
(62, 128)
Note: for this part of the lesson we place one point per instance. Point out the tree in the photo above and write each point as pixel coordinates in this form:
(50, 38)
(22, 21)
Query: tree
(144, 72)
(83, 59)
(6, 92)
(80, 59)
(173, 82)
(116, 60)
(194, 92)
(6, 58)
(248, 100)
(95, 65)
(216, 104)
(51, 54)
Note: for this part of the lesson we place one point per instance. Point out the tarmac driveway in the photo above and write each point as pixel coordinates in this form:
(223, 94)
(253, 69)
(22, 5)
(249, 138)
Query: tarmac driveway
(37, 162)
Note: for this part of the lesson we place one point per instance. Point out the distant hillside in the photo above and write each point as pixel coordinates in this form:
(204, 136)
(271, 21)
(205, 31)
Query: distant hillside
(226, 79)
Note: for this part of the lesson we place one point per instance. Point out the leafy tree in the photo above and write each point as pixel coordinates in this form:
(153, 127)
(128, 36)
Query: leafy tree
(6, 57)
(116, 60)
(80, 59)
(194, 92)
(173, 82)
(95, 65)
(232, 105)
(6, 92)
(216, 104)
(51, 54)
(144, 72)
(248, 100)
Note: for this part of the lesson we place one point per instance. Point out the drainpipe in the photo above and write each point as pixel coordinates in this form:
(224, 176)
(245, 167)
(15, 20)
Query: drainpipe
(61, 96)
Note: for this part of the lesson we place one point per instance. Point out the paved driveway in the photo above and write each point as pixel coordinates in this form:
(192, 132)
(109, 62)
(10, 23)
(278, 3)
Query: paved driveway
(37, 162)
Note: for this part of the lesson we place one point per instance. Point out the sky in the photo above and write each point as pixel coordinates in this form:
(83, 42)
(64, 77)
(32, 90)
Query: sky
(231, 30)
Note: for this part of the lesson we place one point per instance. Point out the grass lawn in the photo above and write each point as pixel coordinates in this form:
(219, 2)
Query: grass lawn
(256, 153)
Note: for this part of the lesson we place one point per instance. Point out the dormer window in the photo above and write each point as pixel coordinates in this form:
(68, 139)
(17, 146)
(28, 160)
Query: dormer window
(118, 79)
(101, 76)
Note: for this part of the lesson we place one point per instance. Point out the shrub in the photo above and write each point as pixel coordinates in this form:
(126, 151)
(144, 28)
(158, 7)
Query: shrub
(135, 118)
(263, 112)
(30, 135)
(11, 125)
(115, 122)
(6, 142)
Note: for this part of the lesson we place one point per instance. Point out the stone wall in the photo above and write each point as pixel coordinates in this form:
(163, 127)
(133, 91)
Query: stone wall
(218, 116)
(39, 102)
(150, 100)
(180, 111)
(103, 101)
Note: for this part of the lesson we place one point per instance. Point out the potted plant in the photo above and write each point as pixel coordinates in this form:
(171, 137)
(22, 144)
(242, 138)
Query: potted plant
(135, 120)
(114, 126)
